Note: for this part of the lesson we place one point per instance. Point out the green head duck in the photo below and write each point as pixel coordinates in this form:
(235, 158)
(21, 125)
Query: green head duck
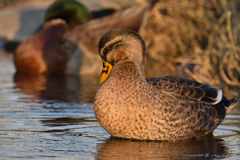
(72, 11)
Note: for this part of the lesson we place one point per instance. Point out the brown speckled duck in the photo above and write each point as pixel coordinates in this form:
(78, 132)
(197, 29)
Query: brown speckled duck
(167, 108)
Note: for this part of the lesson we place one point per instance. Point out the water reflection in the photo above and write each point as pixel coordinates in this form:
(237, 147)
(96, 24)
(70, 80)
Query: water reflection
(67, 121)
(31, 85)
(63, 88)
(119, 149)
(55, 128)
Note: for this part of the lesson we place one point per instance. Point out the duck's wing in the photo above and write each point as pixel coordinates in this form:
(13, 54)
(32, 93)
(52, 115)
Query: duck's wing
(189, 90)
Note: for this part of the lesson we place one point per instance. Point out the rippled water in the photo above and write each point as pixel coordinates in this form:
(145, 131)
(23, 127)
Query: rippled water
(52, 119)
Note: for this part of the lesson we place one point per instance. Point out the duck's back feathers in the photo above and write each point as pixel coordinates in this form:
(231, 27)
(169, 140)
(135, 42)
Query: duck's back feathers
(190, 90)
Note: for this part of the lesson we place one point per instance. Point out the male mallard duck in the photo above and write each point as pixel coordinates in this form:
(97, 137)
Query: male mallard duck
(46, 51)
(60, 48)
(72, 11)
(168, 108)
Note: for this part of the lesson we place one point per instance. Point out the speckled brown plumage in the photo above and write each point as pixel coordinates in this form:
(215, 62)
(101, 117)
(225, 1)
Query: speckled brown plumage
(128, 105)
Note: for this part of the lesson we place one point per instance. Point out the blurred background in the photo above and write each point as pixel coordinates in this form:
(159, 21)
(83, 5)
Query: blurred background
(49, 116)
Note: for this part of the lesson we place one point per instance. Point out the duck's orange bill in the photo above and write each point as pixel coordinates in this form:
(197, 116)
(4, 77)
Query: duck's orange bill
(107, 68)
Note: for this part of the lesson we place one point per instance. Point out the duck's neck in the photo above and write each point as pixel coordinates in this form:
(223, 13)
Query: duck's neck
(128, 71)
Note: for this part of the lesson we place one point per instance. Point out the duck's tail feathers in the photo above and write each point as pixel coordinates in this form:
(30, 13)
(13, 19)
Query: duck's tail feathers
(235, 100)
(232, 104)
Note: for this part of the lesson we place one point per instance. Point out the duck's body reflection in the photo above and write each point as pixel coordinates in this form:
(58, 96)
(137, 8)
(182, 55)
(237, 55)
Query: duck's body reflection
(204, 149)
(63, 88)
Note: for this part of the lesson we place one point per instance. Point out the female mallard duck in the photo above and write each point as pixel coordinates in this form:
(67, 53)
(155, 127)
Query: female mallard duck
(130, 106)
(62, 48)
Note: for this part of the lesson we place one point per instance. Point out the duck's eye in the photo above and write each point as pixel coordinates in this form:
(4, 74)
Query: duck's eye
(110, 47)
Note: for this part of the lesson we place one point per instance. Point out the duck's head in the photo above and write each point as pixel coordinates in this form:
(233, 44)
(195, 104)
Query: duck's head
(72, 11)
(117, 46)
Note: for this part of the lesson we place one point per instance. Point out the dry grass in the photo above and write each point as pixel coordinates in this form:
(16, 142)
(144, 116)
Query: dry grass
(200, 37)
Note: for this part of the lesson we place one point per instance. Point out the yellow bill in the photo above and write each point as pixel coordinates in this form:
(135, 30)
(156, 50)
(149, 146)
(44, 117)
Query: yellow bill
(107, 67)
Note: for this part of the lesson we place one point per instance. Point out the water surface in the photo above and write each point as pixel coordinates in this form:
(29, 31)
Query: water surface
(53, 119)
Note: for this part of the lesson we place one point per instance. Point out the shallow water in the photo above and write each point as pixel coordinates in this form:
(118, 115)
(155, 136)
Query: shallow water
(53, 119)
